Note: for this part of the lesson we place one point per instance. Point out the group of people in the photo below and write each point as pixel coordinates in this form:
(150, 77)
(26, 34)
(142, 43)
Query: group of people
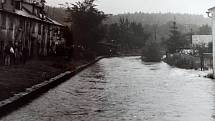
(14, 53)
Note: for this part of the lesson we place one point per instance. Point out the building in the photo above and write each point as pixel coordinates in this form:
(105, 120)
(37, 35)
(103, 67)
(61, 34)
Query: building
(201, 40)
(25, 22)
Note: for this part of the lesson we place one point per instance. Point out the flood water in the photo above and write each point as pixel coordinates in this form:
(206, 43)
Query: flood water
(125, 89)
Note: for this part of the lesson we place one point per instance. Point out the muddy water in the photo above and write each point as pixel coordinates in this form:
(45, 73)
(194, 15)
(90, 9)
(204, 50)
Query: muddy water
(125, 89)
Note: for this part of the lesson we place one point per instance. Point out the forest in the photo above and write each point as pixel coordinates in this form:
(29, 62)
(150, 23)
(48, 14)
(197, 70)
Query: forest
(129, 31)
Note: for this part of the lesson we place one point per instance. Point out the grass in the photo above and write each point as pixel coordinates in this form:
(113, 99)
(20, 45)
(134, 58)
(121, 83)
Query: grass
(16, 78)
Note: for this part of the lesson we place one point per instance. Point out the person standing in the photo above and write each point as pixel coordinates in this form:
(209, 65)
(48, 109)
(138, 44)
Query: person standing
(12, 54)
(9, 52)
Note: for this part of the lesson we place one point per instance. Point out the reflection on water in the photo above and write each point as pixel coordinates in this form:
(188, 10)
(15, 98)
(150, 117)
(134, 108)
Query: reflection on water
(125, 89)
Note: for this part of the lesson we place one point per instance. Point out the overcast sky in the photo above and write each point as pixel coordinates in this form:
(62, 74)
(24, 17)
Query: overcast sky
(124, 6)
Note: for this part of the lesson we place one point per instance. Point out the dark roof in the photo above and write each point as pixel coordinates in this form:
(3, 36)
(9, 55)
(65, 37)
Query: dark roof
(211, 9)
(35, 5)
(208, 55)
(26, 14)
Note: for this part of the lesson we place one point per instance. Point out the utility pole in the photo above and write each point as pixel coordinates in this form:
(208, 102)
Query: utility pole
(53, 12)
(191, 36)
(155, 32)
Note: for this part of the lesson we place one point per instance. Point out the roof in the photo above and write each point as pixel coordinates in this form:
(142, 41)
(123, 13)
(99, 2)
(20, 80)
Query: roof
(25, 13)
(208, 55)
(54, 22)
(211, 9)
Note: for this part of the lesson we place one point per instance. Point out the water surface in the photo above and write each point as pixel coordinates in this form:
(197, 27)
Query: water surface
(125, 89)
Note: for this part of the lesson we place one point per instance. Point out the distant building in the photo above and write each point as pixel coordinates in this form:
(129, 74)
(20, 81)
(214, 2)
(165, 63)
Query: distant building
(201, 39)
(25, 22)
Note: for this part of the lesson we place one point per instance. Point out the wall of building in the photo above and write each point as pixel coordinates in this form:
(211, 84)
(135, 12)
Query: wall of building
(31, 34)
(27, 26)
(201, 39)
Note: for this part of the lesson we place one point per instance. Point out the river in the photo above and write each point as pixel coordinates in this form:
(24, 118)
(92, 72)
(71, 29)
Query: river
(125, 89)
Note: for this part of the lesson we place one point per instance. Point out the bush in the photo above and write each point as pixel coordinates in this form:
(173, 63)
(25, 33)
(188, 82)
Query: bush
(152, 52)
(182, 61)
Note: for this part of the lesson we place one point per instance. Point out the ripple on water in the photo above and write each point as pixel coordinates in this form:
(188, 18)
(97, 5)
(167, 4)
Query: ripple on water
(123, 89)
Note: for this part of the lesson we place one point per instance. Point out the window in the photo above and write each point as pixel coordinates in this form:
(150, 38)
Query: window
(39, 29)
(21, 24)
(18, 5)
(3, 21)
(11, 21)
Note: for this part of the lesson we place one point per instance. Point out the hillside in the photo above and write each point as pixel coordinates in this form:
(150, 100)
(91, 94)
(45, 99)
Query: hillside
(161, 22)
(56, 13)
(152, 22)
(140, 17)
(162, 18)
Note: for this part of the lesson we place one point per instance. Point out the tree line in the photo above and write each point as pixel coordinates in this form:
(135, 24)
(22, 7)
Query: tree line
(162, 18)
(88, 26)
(87, 29)
(129, 36)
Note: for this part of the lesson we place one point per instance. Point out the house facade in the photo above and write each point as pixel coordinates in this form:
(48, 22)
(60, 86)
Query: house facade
(201, 40)
(24, 22)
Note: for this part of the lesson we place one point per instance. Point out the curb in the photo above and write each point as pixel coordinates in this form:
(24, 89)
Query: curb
(33, 92)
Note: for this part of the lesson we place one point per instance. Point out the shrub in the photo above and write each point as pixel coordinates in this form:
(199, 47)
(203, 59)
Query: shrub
(152, 52)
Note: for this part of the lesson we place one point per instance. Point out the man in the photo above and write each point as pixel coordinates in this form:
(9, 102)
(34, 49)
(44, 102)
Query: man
(9, 52)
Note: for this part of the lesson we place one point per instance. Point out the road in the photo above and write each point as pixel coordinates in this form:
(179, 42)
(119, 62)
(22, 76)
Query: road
(125, 89)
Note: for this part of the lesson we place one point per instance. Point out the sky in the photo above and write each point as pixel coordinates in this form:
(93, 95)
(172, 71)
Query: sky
(148, 6)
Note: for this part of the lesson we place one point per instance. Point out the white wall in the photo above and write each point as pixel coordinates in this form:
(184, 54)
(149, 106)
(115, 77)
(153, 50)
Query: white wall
(201, 39)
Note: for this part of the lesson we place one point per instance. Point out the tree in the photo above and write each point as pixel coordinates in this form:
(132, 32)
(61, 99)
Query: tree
(68, 35)
(125, 34)
(113, 32)
(204, 30)
(87, 24)
(176, 40)
(128, 35)
(152, 52)
(139, 35)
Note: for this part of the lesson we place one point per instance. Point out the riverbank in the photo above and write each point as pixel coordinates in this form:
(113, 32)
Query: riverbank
(17, 78)
(183, 61)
